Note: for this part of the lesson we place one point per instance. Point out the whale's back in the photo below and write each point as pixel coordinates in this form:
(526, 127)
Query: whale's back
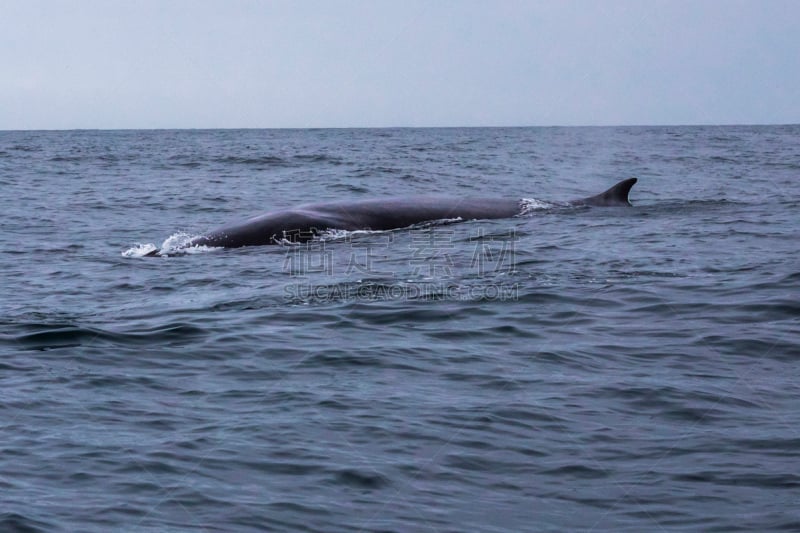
(392, 213)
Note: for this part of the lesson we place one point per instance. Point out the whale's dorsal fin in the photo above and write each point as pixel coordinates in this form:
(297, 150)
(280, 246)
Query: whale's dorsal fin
(616, 195)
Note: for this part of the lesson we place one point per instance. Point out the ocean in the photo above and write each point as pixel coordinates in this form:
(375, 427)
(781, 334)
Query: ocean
(598, 369)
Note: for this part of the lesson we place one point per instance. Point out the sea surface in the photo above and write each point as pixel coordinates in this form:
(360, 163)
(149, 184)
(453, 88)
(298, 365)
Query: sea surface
(596, 369)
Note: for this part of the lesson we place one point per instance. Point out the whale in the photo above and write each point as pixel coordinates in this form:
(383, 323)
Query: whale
(302, 223)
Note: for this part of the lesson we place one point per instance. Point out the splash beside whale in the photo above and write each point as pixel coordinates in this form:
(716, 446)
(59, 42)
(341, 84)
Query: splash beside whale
(303, 222)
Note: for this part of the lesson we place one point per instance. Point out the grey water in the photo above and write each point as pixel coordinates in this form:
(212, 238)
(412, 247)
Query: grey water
(625, 369)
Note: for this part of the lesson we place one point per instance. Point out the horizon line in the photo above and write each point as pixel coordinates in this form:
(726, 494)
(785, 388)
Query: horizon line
(294, 128)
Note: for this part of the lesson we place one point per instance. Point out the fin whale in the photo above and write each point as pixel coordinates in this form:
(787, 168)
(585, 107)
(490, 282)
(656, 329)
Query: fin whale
(302, 222)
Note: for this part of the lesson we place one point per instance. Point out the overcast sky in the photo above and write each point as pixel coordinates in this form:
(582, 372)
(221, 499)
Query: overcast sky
(329, 63)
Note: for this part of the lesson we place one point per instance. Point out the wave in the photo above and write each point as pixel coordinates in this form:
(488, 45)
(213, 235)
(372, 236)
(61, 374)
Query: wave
(43, 337)
(14, 522)
(266, 160)
(255, 161)
(318, 158)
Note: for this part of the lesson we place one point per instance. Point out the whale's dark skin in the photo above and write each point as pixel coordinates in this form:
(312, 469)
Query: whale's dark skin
(303, 222)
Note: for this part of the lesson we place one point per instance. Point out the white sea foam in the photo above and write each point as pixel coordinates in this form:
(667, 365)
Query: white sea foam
(530, 205)
(339, 234)
(140, 250)
(175, 244)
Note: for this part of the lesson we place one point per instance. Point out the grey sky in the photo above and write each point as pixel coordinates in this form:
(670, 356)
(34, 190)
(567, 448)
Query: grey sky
(328, 63)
